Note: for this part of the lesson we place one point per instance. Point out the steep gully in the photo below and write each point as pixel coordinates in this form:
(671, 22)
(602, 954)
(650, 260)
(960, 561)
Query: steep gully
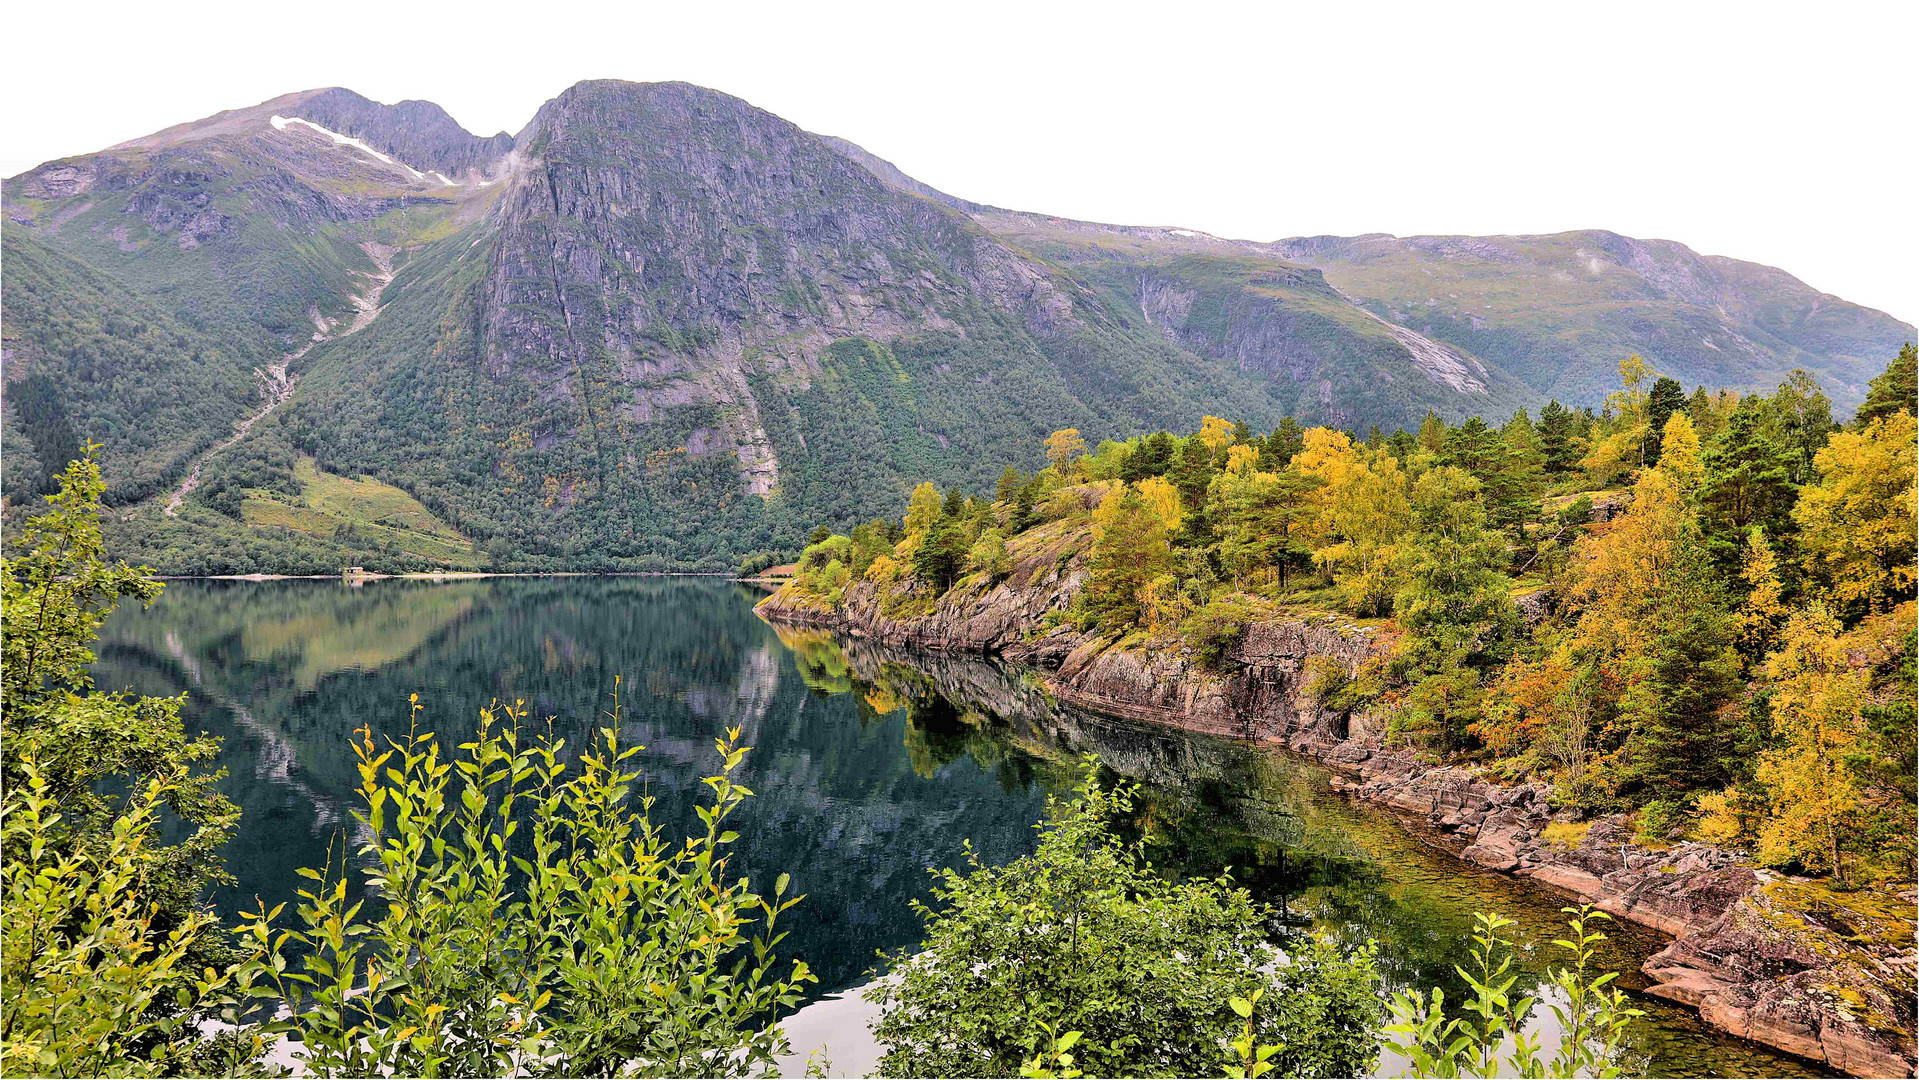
(1779, 961)
(277, 380)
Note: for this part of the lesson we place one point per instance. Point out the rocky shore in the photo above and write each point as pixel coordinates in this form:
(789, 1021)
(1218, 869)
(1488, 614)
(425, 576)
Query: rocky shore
(1825, 975)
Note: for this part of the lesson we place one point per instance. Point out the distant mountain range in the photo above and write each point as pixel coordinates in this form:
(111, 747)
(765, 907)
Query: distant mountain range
(660, 327)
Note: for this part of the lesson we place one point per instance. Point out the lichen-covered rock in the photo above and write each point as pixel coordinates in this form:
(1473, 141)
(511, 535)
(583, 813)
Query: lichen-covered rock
(1793, 964)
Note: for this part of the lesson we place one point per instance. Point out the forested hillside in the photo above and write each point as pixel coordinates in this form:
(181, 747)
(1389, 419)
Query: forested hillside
(88, 359)
(1698, 608)
(661, 328)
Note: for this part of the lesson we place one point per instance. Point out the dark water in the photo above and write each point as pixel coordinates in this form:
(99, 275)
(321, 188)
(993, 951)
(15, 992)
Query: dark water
(870, 766)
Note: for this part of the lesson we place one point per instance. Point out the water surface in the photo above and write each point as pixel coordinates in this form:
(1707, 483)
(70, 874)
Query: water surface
(870, 766)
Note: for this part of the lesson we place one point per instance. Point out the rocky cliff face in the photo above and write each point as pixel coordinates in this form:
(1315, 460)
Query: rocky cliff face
(662, 328)
(1827, 976)
(419, 133)
(686, 242)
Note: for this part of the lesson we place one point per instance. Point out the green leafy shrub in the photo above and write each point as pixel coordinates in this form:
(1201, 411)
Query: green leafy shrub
(592, 944)
(1083, 936)
(93, 978)
(1491, 1039)
(69, 749)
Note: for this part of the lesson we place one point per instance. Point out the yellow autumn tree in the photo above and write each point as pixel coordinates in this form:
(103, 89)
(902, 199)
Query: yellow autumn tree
(1622, 449)
(1620, 574)
(1761, 614)
(1858, 520)
(1367, 512)
(1241, 459)
(1162, 498)
(1329, 458)
(1215, 432)
(1063, 446)
(923, 508)
(1816, 702)
(1680, 455)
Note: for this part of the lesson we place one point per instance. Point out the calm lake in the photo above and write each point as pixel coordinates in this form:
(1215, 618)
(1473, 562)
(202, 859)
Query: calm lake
(870, 766)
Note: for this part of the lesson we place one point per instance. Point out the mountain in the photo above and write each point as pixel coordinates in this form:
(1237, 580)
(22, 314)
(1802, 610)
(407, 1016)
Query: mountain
(660, 327)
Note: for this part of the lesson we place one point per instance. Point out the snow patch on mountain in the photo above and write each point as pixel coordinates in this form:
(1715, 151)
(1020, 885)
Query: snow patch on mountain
(280, 123)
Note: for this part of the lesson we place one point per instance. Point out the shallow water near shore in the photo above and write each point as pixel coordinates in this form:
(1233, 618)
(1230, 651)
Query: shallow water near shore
(870, 766)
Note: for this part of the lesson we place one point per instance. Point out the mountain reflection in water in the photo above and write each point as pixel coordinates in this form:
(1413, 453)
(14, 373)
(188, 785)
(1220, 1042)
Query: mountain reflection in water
(870, 765)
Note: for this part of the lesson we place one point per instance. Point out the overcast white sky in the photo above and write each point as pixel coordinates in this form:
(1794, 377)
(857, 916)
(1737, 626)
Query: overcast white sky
(1782, 135)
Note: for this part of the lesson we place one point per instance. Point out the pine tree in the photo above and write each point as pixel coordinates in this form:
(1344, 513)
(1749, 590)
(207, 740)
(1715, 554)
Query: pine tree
(1704, 411)
(1655, 623)
(1287, 440)
(1263, 521)
(1681, 736)
(1193, 470)
(1151, 457)
(1668, 397)
(1009, 485)
(1896, 389)
(940, 555)
(1748, 482)
(1130, 552)
(1557, 431)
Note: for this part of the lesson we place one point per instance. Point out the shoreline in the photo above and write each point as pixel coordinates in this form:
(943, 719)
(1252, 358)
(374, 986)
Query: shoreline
(1764, 957)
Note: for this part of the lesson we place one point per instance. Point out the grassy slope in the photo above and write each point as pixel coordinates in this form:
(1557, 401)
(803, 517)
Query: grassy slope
(380, 513)
(1560, 311)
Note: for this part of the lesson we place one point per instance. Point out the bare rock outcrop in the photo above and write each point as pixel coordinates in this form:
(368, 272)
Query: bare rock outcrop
(1826, 976)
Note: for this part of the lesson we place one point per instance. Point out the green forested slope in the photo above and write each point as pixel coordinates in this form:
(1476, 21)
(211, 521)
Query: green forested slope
(88, 359)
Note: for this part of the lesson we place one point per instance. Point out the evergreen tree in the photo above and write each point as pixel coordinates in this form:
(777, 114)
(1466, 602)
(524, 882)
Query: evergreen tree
(1668, 397)
(1024, 515)
(1895, 389)
(1432, 433)
(1682, 739)
(1704, 412)
(1557, 429)
(1286, 441)
(1192, 472)
(1151, 457)
(1503, 487)
(1263, 521)
(1009, 485)
(1131, 552)
(1748, 482)
(940, 555)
